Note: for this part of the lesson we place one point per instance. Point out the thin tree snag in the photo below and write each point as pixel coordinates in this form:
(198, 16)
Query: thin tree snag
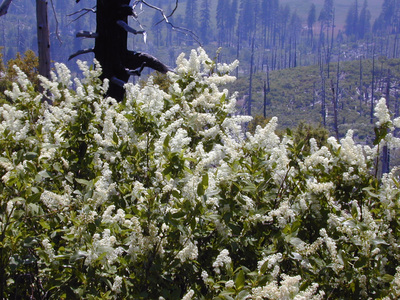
(4, 7)
(117, 62)
(43, 38)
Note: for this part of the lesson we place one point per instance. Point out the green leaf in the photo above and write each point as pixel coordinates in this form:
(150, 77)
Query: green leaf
(264, 267)
(341, 255)
(204, 180)
(223, 98)
(45, 174)
(361, 262)
(115, 138)
(166, 142)
(18, 199)
(44, 224)
(379, 241)
(243, 295)
(203, 185)
(387, 278)
(239, 281)
(179, 214)
(250, 188)
(354, 210)
(176, 194)
(295, 241)
(200, 190)
(78, 256)
(30, 242)
(83, 181)
(31, 155)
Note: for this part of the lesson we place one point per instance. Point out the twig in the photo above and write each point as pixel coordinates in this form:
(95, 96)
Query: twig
(85, 10)
(81, 52)
(127, 28)
(55, 17)
(165, 18)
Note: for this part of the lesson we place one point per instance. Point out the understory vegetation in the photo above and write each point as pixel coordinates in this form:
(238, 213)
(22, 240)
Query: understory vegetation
(166, 196)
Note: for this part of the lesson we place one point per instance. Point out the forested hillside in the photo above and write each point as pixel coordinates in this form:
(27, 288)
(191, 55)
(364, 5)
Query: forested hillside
(284, 34)
(301, 94)
(265, 36)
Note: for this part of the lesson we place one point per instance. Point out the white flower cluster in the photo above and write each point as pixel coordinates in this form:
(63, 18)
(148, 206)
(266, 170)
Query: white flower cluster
(272, 262)
(116, 287)
(382, 112)
(287, 288)
(189, 295)
(265, 137)
(140, 244)
(331, 245)
(104, 186)
(119, 217)
(103, 246)
(48, 249)
(319, 187)
(189, 252)
(55, 201)
(222, 260)
(384, 118)
(389, 195)
(15, 121)
(284, 214)
(319, 157)
(353, 153)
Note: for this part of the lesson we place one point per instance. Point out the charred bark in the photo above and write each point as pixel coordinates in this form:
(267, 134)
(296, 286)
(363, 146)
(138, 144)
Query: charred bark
(117, 62)
(4, 7)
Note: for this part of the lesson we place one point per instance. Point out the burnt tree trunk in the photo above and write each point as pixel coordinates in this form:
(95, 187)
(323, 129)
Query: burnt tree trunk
(111, 43)
(43, 38)
(117, 62)
(250, 100)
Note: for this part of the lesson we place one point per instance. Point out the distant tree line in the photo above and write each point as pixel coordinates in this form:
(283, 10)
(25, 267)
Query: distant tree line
(285, 39)
(282, 37)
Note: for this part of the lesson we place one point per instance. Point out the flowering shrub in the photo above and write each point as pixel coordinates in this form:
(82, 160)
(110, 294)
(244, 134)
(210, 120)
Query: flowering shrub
(165, 196)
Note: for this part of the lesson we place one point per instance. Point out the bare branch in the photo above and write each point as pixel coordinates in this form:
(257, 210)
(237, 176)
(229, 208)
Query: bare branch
(84, 11)
(117, 81)
(84, 51)
(136, 72)
(87, 34)
(4, 7)
(129, 28)
(55, 17)
(136, 60)
(165, 18)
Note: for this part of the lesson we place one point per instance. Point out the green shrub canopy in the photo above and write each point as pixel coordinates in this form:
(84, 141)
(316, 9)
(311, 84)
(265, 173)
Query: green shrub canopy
(165, 196)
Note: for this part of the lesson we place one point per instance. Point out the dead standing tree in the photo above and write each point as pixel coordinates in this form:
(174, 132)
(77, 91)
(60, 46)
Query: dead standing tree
(110, 49)
(43, 38)
(42, 32)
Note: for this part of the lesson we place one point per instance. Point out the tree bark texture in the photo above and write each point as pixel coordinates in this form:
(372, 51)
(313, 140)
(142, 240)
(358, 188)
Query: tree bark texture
(4, 7)
(43, 38)
(117, 62)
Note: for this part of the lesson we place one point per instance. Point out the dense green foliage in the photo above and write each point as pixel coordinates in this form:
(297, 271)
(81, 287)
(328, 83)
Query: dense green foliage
(27, 63)
(164, 196)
